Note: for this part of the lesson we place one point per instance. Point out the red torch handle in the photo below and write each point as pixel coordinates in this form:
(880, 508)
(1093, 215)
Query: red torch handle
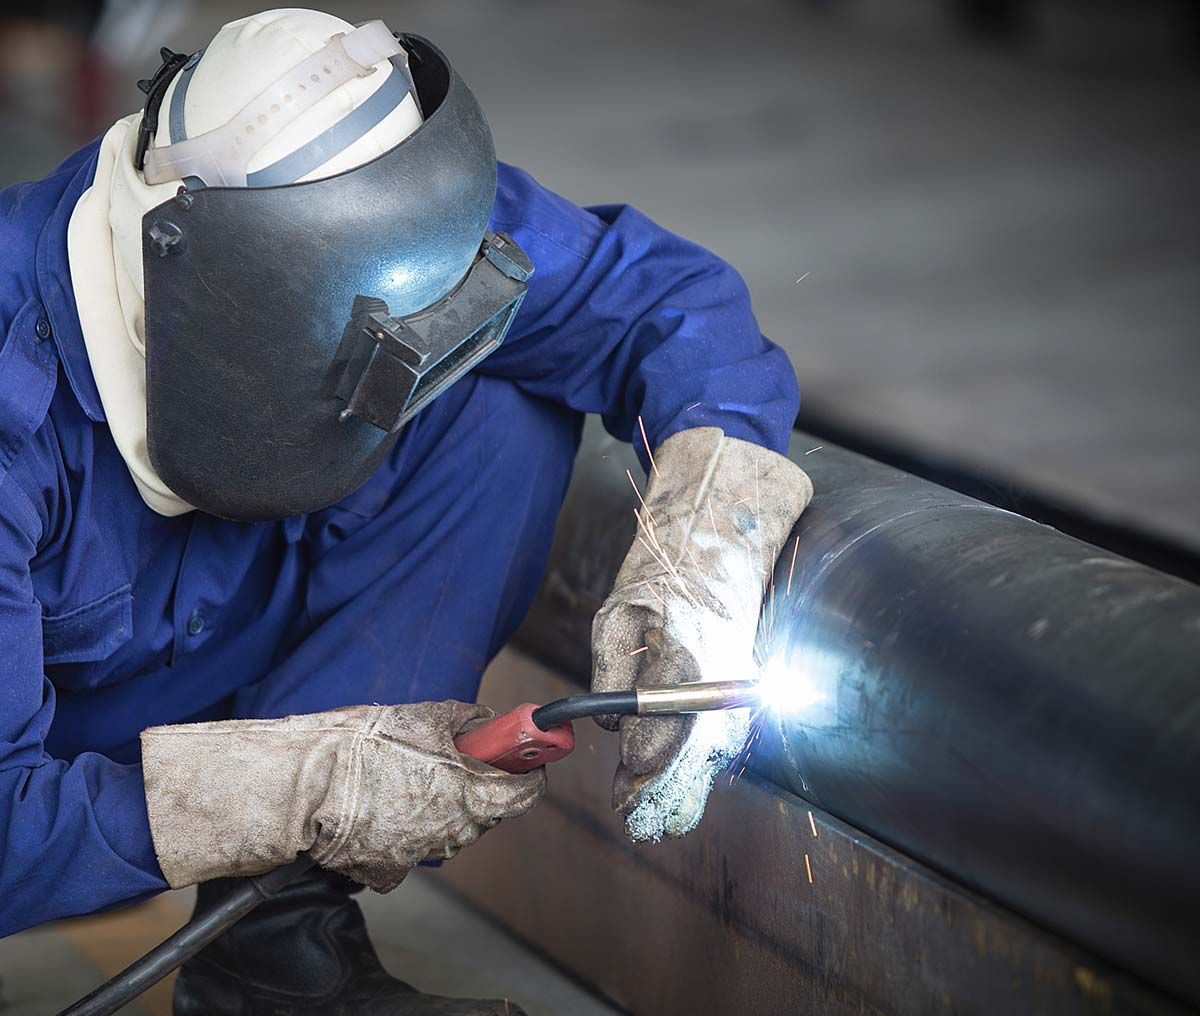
(514, 743)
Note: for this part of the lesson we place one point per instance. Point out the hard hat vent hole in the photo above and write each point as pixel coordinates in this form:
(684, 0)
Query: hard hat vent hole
(249, 128)
(530, 753)
(288, 97)
(327, 70)
(315, 77)
(274, 107)
(262, 117)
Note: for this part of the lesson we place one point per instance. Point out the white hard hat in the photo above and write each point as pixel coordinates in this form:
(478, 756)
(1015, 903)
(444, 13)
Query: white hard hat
(349, 125)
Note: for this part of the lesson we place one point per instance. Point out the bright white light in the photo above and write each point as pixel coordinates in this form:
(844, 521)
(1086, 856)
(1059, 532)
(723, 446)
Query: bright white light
(399, 277)
(788, 688)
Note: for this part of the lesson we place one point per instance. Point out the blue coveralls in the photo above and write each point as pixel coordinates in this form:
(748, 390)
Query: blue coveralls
(113, 618)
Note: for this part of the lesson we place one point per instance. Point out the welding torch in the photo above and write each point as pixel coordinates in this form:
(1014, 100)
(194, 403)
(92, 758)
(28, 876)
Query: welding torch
(517, 741)
(530, 736)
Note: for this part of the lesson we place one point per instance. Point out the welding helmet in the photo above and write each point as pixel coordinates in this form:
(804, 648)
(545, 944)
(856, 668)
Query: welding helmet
(293, 328)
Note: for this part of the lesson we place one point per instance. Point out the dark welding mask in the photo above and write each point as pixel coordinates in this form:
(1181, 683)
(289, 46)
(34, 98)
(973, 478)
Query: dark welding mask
(292, 330)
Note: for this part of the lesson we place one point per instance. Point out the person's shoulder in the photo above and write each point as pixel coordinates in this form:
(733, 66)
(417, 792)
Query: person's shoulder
(28, 368)
(26, 207)
(533, 213)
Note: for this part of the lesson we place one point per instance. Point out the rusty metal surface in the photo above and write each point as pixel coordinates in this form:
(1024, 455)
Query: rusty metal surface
(1013, 707)
(726, 920)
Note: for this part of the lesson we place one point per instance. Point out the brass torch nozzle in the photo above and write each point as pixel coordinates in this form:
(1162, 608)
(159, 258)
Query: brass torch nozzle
(697, 697)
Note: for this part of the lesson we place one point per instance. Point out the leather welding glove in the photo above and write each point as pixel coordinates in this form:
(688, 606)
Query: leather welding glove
(685, 607)
(368, 791)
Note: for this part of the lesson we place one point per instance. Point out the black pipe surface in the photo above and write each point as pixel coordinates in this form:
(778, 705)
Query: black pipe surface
(1013, 707)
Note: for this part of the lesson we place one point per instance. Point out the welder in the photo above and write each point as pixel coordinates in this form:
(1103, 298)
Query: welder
(293, 378)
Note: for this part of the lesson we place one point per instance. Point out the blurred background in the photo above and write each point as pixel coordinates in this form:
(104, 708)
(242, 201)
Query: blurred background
(972, 223)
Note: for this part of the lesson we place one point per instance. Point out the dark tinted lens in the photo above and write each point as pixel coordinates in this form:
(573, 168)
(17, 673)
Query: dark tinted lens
(473, 349)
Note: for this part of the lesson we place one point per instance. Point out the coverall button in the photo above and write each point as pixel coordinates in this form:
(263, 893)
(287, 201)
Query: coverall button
(196, 623)
(42, 329)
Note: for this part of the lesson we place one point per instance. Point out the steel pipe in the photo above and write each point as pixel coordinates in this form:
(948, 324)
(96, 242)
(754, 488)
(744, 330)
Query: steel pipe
(1011, 706)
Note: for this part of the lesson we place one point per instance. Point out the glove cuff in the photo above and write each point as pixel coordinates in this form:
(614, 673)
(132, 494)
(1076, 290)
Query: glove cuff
(240, 797)
(703, 468)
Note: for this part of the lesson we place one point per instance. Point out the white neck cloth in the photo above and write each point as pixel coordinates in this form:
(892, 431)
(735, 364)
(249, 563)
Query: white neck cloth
(111, 311)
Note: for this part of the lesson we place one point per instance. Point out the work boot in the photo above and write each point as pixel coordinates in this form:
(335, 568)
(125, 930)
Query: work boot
(304, 952)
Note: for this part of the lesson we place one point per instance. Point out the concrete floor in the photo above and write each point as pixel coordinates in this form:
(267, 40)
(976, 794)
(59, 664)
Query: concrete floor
(423, 934)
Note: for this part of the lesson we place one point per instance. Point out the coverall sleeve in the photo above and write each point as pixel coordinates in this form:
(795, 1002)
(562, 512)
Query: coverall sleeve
(625, 319)
(74, 837)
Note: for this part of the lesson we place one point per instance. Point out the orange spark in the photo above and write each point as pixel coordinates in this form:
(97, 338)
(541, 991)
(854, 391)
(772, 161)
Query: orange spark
(633, 483)
(646, 442)
(792, 570)
(656, 593)
(660, 556)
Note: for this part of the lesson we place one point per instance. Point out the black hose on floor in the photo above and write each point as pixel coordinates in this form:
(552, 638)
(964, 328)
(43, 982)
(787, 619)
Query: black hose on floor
(186, 942)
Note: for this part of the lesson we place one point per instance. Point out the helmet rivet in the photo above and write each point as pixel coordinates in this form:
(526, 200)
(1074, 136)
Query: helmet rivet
(165, 238)
(183, 199)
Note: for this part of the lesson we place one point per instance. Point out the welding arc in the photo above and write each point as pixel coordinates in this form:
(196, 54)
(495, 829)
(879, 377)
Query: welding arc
(575, 707)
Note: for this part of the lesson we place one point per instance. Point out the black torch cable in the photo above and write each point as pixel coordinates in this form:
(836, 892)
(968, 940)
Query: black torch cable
(186, 942)
(597, 703)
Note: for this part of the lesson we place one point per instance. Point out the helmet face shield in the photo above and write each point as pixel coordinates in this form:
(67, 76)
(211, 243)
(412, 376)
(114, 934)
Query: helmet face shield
(292, 330)
(388, 369)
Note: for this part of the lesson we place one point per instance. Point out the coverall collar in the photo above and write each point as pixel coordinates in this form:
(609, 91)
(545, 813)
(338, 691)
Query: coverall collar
(57, 293)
